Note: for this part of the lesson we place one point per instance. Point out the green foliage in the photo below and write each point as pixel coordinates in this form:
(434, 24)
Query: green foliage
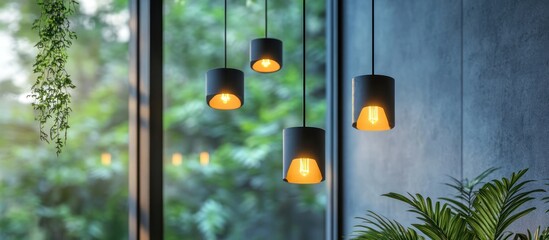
(239, 195)
(496, 204)
(378, 227)
(537, 235)
(211, 218)
(439, 221)
(244, 174)
(50, 92)
(483, 214)
(70, 196)
(467, 192)
(546, 198)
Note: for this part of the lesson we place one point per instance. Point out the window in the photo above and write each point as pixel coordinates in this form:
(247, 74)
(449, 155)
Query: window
(223, 169)
(82, 193)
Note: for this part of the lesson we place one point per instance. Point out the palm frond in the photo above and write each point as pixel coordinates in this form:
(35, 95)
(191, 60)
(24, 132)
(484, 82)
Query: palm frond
(466, 191)
(522, 236)
(495, 205)
(544, 235)
(537, 235)
(439, 221)
(483, 214)
(377, 227)
(546, 198)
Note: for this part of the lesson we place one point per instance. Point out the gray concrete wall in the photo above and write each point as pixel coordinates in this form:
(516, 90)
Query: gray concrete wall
(499, 117)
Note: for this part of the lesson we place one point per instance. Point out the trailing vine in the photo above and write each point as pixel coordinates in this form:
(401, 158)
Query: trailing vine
(51, 89)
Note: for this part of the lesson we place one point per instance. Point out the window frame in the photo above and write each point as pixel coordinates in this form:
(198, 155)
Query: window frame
(145, 199)
(334, 223)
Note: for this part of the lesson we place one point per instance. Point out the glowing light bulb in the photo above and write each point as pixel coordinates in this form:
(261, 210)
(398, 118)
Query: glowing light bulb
(225, 98)
(204, 158)
(372, 118)
(265, 62)
(177, 159)
(106, 159)
(304, 166)
(373, 115)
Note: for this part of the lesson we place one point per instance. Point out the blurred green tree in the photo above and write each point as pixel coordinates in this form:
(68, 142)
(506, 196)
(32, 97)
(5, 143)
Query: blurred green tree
(73, 196)
(238, 195)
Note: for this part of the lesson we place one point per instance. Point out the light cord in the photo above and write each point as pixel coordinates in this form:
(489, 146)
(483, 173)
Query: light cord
(225, 36)
(372, 38)
(304, 64)
(265, 18)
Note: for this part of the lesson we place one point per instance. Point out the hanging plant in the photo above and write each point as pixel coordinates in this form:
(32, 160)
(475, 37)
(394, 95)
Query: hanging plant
(51, 89)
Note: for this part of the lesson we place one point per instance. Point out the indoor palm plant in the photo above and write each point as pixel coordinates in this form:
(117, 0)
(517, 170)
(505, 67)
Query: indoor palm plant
(482, 213)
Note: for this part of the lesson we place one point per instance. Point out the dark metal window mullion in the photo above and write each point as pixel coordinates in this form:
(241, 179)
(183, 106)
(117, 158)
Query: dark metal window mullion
(334, 221)
(145, 198)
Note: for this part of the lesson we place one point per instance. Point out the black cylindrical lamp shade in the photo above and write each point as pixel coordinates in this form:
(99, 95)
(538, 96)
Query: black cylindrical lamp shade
(266, 55)
(373, 102)
(225, 88)
(303, 155)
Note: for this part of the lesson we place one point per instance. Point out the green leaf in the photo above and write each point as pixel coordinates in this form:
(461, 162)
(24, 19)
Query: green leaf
(494, 208)
(439, 221)
(50, 90)
(378, 227)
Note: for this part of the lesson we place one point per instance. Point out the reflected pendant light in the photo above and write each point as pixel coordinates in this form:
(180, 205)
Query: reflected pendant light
(225, 86)
(303, 147)
(266, 53)
(373, 98)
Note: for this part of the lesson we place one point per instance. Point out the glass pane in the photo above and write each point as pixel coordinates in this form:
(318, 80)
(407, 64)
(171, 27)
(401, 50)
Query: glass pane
(223, 169)
(82, 193)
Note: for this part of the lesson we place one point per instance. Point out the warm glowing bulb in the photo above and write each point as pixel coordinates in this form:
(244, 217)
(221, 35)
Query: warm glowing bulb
(266, 65)
(225, 101)
(225, 98)
(373, 116)
(303, 171)
(106, 159)
(177, 159)
(265, 62)
(304, 166)
(204, 158)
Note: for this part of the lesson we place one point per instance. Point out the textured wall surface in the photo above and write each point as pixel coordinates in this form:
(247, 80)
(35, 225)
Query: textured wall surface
(506, 89)
(498, 116)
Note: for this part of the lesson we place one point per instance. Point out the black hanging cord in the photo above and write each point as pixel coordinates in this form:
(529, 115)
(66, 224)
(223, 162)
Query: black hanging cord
(372, 38)
(265, 18)
(304, 71)
(225, 37)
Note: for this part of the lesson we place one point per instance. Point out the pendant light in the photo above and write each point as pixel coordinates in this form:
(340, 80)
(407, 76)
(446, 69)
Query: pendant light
(373, 98)
(225, 86)
(303, 147)
(266, 53)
